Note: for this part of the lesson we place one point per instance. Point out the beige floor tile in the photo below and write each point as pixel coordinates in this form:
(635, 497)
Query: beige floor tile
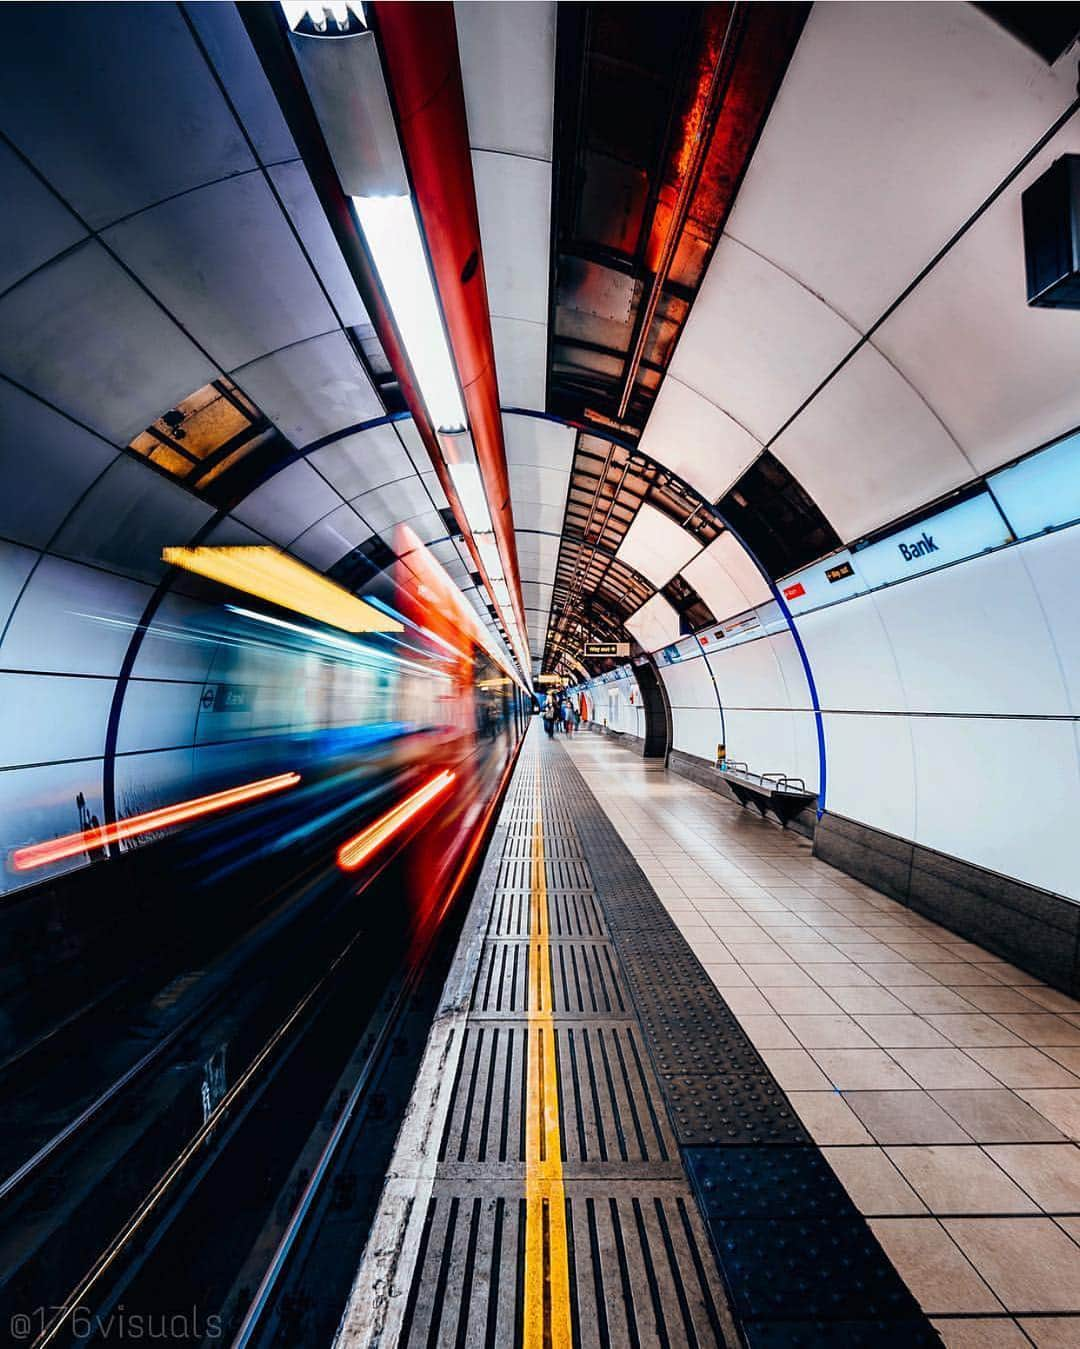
(1067, 1055)
(862, 1070)
(768, 1032)
(959, 974)
(1041, 1028)
(1053, 1000)
(1049, 1172)
(1029, 1262)
(959, 1180)
(1001, 999)
(1025, 1067)
(1052, 1332)
(755, 952)
(805, 1001)
(839, 976)
(828, 1117)
(932, 1266)
(874, 1184)
(893, 1032)
(746, 1001)
(728, 976)
(981, 1332)
(872, 1001)
(997, 1116)
(779, 976)
(933, 1000)
(1060, 1106)
(820, 953)
(829, 1032)
(973, 1029)
(795, 1070)
(905, 1117)
(943, 1068)
(900, 975)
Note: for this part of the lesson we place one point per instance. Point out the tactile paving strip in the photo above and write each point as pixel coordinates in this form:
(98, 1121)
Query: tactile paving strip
(642, 1272)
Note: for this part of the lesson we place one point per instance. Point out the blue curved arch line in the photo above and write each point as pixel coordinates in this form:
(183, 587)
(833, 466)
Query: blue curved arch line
(815, 702)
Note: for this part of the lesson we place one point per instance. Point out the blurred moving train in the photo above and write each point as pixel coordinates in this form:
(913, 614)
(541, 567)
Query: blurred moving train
(253, 743)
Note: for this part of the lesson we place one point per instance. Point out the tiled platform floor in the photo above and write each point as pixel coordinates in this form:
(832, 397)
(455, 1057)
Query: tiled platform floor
(942, 1084)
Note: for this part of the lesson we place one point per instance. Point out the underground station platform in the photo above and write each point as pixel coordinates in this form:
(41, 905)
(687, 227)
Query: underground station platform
(596, 1152)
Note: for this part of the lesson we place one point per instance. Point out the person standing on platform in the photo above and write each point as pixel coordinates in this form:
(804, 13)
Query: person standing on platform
(567, 716)
(548, 714)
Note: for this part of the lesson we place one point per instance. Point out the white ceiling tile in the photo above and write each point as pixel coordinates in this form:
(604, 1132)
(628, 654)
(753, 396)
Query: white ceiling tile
(83, 335)
(288, 503)
(893, 123)
(1002, 376)
(116, 106)
(868, 449)
(656, 546)
(697, 440)
(224, 261)
(363, 461)
(529, 484)
(654, 625)
(536, 440)
(520, 362)
(726, 578)
(513, 197)
(508, 70)
(312, 389)
(757, 343)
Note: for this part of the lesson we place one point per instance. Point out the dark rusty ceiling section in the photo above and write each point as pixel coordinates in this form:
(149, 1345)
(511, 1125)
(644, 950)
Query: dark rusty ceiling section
(658, 109)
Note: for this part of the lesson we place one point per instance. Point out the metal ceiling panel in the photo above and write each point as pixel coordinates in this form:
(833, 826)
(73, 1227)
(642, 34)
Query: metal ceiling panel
(312, 389)
(138, 85)
(224, 261)
(288, 503)
(361, 462)
(331, 538)
(35, 225)
(46, 463)
(82, 334)
(513, 196)
(726, 578)
(393, 504)
(521, 362)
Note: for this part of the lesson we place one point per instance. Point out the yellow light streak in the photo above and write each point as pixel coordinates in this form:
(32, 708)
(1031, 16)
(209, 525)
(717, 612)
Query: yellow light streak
(272, 575)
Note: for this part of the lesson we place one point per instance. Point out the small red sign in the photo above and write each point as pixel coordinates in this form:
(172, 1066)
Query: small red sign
(793, 592)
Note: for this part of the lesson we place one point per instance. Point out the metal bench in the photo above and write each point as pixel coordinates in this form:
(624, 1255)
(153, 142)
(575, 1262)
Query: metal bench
(785, 796)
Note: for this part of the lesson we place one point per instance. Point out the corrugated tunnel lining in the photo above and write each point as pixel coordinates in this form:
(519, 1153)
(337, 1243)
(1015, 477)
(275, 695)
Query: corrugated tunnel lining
(693, 1197)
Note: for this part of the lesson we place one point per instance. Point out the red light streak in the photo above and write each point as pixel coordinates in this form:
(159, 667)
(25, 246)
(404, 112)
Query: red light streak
(70, 845)
(357, 850)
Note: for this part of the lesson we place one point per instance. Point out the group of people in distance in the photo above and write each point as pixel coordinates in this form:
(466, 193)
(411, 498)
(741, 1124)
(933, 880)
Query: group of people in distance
(561, 712)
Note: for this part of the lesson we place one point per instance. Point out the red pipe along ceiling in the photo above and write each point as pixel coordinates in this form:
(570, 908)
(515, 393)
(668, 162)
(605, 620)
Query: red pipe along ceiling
(418, 43)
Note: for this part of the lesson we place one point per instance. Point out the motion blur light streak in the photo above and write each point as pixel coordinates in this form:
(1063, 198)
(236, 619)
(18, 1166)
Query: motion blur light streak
(71, 845)
(360, 654)
(352, 854)
(272, 575)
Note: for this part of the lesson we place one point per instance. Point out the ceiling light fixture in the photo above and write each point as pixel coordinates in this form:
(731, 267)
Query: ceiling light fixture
(393, 237)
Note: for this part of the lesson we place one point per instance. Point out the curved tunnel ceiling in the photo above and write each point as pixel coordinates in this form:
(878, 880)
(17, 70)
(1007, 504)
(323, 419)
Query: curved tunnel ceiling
(800, 326)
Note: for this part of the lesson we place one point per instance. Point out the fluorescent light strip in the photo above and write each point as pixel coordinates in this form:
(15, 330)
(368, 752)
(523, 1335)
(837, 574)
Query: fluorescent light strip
(354, 853)
(272, 575)
(393, 237)
(471, 494)
(72, 845)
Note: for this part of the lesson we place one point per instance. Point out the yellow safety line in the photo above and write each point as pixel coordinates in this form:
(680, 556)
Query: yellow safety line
(547, 1266)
